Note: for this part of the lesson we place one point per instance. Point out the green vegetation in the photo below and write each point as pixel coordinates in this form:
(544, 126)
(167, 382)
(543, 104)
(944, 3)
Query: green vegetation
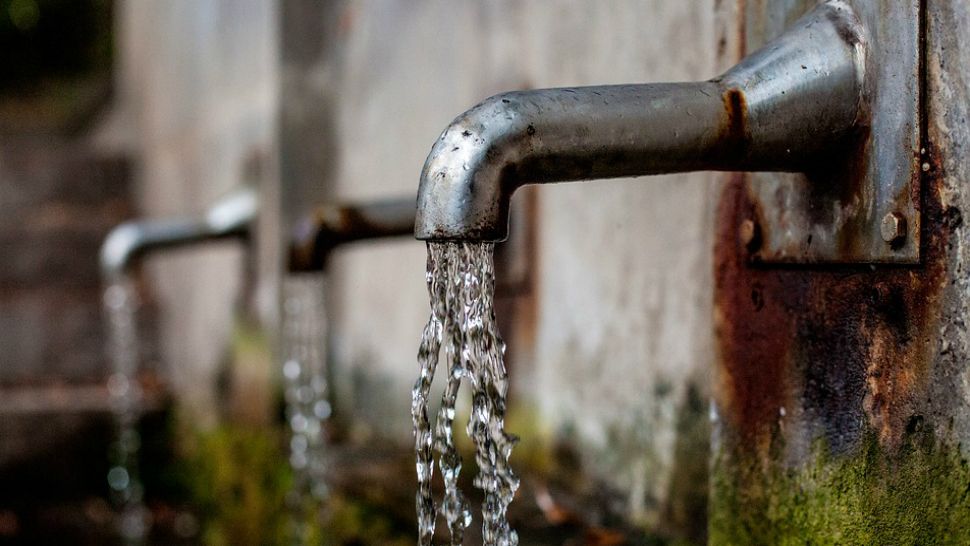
(57, 59)
(237, 480)
(42, 40)
(685, 513)
(352, 521)
(919, 494)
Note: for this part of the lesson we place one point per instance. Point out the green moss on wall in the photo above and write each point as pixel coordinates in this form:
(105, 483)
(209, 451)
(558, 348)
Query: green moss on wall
(918, 494)
(238, 481)
(685, 511)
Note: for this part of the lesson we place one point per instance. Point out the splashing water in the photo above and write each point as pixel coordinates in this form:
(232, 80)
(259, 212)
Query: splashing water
(305, 379)
(461, 285)
(120, 306)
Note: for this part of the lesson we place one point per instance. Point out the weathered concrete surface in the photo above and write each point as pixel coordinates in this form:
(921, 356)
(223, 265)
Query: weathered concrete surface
(616, 322)
(58, 199)
(623, 286)
(196, 100)
(842, 394)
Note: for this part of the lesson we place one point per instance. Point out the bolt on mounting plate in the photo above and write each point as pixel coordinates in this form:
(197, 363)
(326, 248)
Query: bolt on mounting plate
(837, 214)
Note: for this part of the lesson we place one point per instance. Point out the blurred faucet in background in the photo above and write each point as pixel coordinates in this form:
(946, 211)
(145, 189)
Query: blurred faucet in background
(230, 218)
(333, 225)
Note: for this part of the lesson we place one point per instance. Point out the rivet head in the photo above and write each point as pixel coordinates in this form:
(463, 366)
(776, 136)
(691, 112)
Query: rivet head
(893, 228)
(750, 235)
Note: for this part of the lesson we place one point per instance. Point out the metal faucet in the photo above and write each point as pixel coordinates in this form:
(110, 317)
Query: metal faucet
(230, 218)
(333, 225)
(780, 109)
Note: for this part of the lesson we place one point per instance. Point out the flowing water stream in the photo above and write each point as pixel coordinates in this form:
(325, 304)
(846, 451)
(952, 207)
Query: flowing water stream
(305, 380)
(120, 304)
(461, 285)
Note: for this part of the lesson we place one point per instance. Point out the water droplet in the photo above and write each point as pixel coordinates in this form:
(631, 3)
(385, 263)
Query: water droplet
(322, 409)
(116, 297)
(118, 478)
(298, 443)
(320, 490)
(291, 369)
(298, 460)
(118, 385)
(306, 394)
(134, 524)
(298, 423)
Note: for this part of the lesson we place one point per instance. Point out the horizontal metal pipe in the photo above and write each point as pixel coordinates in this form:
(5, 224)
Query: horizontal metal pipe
(333, 225)
(230, 218)
(778, 110)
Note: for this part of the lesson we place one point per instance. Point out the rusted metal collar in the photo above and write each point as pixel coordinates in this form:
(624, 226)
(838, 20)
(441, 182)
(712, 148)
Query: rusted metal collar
(333, 225)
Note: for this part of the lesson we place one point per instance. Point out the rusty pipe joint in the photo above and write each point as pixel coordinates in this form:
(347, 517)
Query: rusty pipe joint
(332, 225)
(780, 109)
(230, 218)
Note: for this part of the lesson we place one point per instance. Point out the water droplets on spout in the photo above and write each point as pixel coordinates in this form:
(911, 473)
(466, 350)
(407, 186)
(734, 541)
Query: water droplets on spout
(461, 285)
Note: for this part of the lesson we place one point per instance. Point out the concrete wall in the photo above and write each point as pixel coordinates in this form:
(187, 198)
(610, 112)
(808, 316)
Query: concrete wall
(616, 323)
(611, 334)
(838, 422)
(59, 200)
(197, 99)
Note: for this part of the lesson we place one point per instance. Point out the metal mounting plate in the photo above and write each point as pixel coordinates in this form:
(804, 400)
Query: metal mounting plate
(836, 215)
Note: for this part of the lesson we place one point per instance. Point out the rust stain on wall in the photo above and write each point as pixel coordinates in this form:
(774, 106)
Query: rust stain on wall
(851, 346)
(755, 359)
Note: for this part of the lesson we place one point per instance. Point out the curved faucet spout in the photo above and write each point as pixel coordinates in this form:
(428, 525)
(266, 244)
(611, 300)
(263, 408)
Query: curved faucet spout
(333, 225)
(230, 218)
(777, 110)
